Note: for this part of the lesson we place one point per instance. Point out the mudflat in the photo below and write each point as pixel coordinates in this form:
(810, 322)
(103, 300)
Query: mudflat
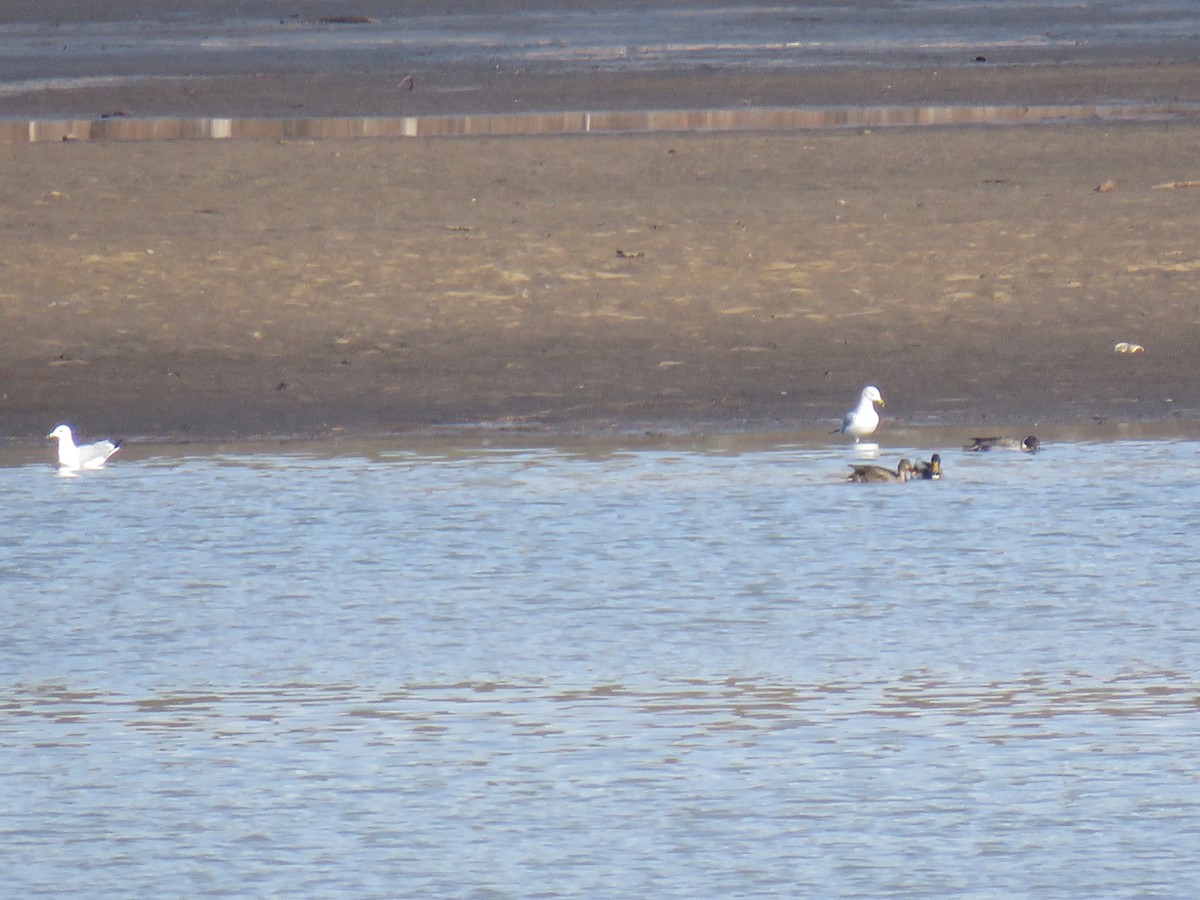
(979, 276)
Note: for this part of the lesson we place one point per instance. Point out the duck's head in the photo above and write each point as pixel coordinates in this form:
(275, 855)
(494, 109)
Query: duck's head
(1031, 444)
(935, 466)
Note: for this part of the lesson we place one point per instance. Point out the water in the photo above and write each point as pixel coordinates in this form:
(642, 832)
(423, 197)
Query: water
(455, 51)
(79, 46)
(671, 673)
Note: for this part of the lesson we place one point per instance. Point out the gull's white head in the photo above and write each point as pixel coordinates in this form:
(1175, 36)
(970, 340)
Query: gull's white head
(61, 433)
(871, 394)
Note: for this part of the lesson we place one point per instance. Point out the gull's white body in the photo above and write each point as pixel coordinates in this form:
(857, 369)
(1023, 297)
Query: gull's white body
(863, 419)
(85, 456)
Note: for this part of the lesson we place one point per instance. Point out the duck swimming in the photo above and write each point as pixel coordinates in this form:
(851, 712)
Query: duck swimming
(1028, 444)
(864, 474)
(930, 471)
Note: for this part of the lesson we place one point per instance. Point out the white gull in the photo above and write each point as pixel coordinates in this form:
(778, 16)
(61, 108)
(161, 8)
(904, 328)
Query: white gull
(82, 456)
(863, 419)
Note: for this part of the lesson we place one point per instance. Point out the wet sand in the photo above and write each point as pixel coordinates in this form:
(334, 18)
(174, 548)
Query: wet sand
(671, 282)
(663, 282)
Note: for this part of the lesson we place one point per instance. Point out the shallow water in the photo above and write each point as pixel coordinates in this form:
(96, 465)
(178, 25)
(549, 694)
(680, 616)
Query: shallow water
(91, 42)
(665, 672)
(97, 46)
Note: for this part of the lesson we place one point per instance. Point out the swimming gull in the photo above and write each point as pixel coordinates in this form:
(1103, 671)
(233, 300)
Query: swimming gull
(82, 456)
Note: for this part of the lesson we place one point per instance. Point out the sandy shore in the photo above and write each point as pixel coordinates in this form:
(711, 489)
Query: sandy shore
(702, 283)
(590, 285)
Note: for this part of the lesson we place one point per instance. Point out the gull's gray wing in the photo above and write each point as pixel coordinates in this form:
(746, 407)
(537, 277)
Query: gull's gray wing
(94, 454)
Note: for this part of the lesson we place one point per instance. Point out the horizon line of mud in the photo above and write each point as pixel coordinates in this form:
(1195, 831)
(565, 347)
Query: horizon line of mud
(118, 127)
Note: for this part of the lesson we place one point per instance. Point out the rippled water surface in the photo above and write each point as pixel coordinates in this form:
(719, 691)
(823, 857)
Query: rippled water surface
(89, 41)
(649, 673)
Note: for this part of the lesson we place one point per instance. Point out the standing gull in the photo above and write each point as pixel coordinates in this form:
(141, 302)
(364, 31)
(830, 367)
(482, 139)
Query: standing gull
(863, 419)
(84, 456)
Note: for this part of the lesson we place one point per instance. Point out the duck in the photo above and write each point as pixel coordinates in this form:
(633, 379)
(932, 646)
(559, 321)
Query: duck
(930, 471)
(867, 474)
(81, 456)
(1027, 444)
(863, 419)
